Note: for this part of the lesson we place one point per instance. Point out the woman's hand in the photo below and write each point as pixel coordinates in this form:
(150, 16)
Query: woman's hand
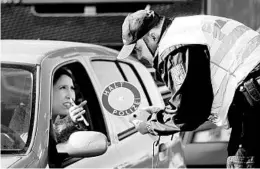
(76, 112)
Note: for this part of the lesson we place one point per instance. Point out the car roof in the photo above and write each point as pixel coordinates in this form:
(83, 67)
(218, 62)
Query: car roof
(34, 51)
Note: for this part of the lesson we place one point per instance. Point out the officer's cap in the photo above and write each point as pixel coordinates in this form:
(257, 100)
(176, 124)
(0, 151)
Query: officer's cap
(135, 26)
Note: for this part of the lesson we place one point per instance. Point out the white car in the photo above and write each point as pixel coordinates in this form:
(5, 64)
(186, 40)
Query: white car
(27, 68)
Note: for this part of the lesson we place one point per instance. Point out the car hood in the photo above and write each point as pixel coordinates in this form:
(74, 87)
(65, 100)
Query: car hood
(7, 161)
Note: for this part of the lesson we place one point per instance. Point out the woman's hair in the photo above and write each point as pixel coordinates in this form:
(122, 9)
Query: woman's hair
(63, 71)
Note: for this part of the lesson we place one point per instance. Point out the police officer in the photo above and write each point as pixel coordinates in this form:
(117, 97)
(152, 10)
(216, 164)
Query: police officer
(212, 67)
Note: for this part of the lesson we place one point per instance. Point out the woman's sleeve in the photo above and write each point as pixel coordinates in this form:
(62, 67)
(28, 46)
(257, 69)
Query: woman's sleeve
(64, 127)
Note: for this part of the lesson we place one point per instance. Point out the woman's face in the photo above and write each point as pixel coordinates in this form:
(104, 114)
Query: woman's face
(63, 90)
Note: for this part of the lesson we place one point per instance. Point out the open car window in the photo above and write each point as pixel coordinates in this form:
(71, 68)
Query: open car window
(85, 91)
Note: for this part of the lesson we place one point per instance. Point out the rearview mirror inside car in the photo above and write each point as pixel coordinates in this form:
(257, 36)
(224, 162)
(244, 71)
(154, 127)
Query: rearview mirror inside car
(84, 144)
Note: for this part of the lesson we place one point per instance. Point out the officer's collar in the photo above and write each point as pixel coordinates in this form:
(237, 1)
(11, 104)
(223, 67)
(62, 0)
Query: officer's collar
(165, 26)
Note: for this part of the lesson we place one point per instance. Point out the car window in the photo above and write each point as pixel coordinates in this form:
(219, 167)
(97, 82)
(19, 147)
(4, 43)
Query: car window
(16, 107)
(132, 78)
(218, 134)
(109, 72)
(84, 90)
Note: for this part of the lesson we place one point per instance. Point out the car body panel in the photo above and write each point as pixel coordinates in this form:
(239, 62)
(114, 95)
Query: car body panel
(171, 158)
(206, 154)
(7, 161)
(36, 54)
(29, 160)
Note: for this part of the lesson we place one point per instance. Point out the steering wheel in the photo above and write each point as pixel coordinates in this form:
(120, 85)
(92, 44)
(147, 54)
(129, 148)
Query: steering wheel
(13, 138)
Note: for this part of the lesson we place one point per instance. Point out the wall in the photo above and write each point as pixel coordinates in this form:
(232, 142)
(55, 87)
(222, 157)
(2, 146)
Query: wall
(245, 11)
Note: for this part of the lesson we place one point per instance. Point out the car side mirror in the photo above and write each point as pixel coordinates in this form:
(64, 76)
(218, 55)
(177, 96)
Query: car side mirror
(84, 144)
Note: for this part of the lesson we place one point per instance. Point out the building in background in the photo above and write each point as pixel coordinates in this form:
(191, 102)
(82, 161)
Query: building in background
(89, 21)
(100, 21)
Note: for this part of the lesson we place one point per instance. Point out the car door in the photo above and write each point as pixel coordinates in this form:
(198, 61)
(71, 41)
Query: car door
(97, 122)
(136, 150)
(75, 62)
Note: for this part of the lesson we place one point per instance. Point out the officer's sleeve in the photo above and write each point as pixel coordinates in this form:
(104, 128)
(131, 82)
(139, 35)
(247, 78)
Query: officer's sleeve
(188, 77)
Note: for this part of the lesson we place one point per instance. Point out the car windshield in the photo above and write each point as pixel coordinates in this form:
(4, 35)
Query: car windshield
(16, 107)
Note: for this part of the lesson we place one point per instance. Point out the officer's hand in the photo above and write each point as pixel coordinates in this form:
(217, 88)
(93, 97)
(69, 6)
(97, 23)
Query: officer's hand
(140, 126)
(143, 127)
(151, 109)
(144, 114)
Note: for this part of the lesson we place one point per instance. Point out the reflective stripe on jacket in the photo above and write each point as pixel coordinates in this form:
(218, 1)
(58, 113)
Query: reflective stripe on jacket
(234, 52)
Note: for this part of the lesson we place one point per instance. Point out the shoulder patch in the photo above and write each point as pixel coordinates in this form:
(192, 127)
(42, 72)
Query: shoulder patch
(178, 75)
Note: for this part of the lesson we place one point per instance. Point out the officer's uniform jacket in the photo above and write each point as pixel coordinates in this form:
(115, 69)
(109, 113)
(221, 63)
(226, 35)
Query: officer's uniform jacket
(203, 59)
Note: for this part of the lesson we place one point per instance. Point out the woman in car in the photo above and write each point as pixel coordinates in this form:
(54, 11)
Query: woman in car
(67, 117)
